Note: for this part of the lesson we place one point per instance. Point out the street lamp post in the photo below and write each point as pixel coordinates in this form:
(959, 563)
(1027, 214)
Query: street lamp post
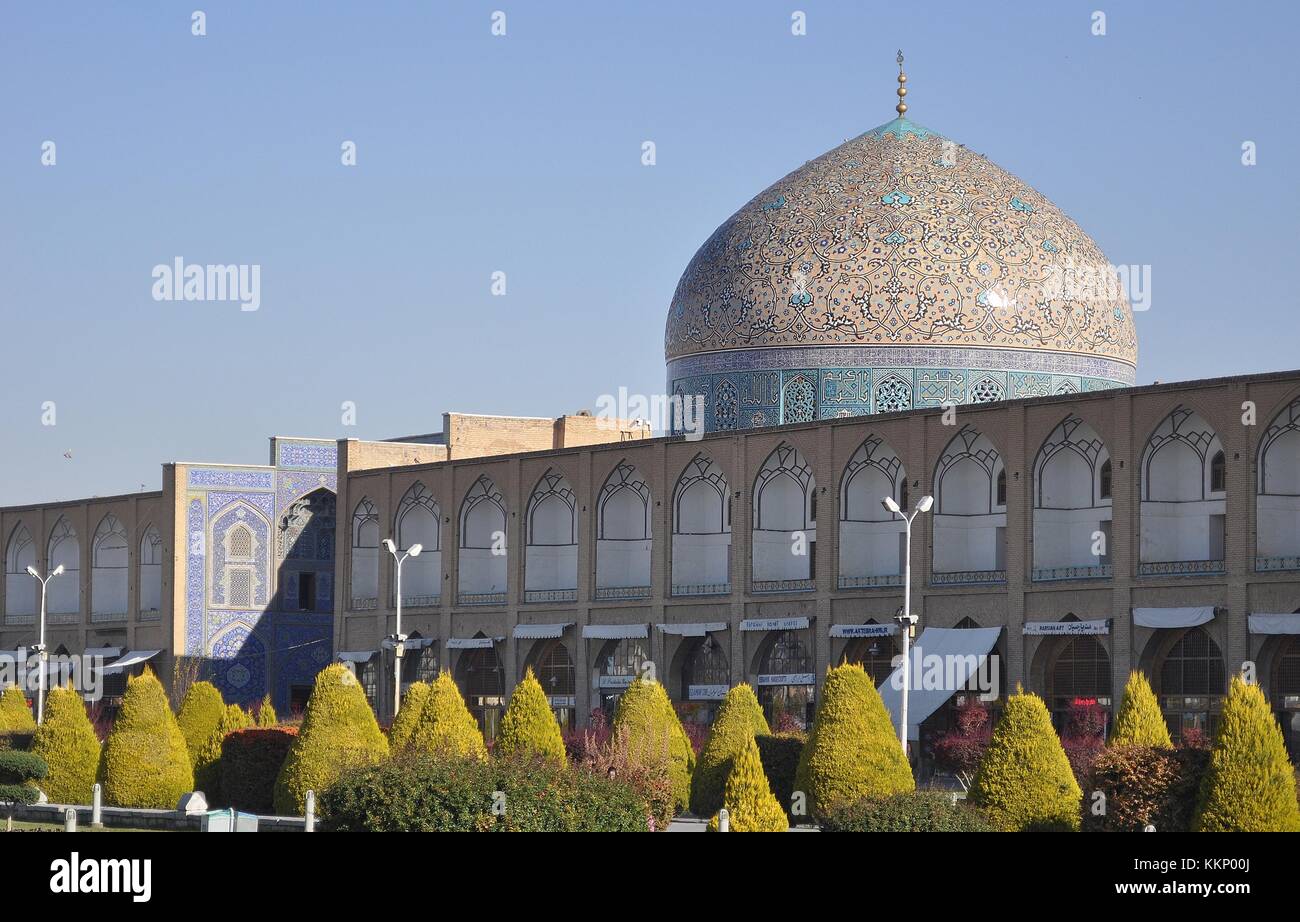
(40, 646)
(906, 620)
(398, 638)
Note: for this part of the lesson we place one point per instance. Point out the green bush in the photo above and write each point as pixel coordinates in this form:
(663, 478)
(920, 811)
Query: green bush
(1139, 721)
(19, 772)
(67, 743)
(201, 711)
(748, 797)
(1143, 785)
(419, 792)
(852, 751)
(15, 715)
(15, 740)
(1024, 780)
(408, 716)
(780, 753)
(250, 763)
(1249, 785)
(339, 732)
(915, 811)
(654, 730)
(145, 762)
(740, 718)
(529, 728)
(266, 716)
(445, 726)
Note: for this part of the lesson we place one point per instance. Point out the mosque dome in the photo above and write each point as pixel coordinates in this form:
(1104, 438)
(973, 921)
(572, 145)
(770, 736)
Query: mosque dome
(898, 270)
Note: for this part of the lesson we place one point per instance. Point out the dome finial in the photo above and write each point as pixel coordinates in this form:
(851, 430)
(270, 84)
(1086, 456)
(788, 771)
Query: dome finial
(902, 90)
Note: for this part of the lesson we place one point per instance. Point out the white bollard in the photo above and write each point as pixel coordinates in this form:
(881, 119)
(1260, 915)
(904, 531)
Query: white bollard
(70, 820)
(724, 820)
(97, 807)
(310, 825)
(1149, 828)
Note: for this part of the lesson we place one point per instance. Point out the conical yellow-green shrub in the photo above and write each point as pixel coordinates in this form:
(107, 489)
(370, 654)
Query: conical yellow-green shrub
(852, 751)
(15, 715)
(339, 732)
(740, 718)
(529, 728)
(201, 710)
(266, 716)
(145, 761)
(1250, 784)
(67, 743)
(653, 729)
(1024, 781)
(408, 716)
(1139, 721)
(446, 727)
(751, 805)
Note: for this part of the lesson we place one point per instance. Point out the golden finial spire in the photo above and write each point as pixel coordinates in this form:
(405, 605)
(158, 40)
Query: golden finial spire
(902, 90)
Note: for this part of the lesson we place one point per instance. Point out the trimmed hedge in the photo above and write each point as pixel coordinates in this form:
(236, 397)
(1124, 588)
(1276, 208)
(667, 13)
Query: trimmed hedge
(266, 716)
(250, 763)
(916, 811)
(422, 793)
(145, 762)
(748, 797)
(67, 743)
(1024, 781)
(1140, 721)
(653, 730)
(15, 714)
(201, 711)
(740, 719)
(207, 767)
(408, 716)
(19, 772)
(529, 728)
(339, 732)
(780, 753)
(1143, 785)
(1250, 785)
(852, 751)
(446, 727)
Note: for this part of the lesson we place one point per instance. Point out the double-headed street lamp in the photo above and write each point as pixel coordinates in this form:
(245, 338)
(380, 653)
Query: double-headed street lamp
(905, 619)
(40, 646)
(398, 638)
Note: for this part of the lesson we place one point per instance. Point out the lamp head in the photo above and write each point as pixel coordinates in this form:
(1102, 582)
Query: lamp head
(890, 505)
(31, 571)
(58, 571)
(924, 503)
(390, 546)
(415, 549)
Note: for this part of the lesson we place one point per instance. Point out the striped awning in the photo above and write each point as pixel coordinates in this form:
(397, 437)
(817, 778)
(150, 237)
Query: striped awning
(863, 630)
(696, 629)
(473, 643)
(361, 656)
(541, 631)
(774, 624)
(616, 631)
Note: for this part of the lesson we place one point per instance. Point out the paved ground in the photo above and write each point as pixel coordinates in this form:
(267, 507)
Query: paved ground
(691, 824)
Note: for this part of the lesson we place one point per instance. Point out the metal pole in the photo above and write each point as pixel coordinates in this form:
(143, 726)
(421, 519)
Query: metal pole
(907, 629)
(40, 694)
(397, 642)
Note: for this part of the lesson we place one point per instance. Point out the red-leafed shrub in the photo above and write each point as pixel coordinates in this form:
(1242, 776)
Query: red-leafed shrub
(959, 751)
(1084, 736)
(250, 763)
(580, 741)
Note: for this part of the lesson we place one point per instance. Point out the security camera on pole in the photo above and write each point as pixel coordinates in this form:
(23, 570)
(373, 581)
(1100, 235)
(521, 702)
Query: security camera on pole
(397, 637)
(40, 647)
(906, 620)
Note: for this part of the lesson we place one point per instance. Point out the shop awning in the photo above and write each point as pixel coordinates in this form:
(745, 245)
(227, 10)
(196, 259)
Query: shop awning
(541, 631)
(696, 629)
(361, 656)
(616, 631)
(1173, 617)
(863, 630)
(1059, 628)
(411, 643)
(103, 652)
(134, 658)
(942, 663)
(774, 624)
(1281, 623)
(472, 643)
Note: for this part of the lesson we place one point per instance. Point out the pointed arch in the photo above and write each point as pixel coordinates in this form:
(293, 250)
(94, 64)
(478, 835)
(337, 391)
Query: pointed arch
(483, 545)
(871, 537)
(108, 570)
(784, 536)
(970, 514)
(63, 597)
(20, 587)
(365, 555)
(1183, 503)
(701, 561)
(1072, 504)
(151, 564)
(418, 521)
(1277, 500)
(551, 552)
(623, 535)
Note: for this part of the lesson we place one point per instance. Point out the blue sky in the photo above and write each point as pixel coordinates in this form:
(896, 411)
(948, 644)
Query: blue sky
(522, 154)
